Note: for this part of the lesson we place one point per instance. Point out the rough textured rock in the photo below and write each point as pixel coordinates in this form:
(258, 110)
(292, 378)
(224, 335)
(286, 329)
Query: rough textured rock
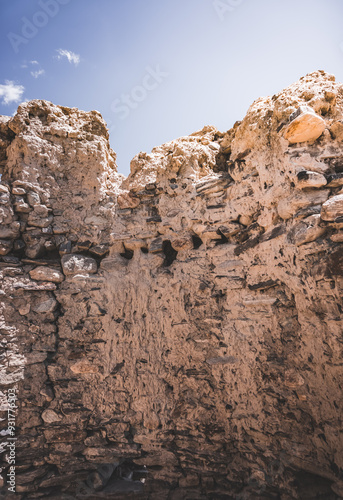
(305, 125)
(193, 348)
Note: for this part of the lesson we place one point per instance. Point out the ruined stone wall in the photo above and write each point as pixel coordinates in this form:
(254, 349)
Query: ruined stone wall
(182, 326)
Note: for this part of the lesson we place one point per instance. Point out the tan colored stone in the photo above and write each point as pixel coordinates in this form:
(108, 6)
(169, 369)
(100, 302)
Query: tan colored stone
(332, 208)
(84, 368)
(128, 200)
(307, 126)
(306, 180)
(43, 273)
(288, 207)
(50, 416)
(336, 130)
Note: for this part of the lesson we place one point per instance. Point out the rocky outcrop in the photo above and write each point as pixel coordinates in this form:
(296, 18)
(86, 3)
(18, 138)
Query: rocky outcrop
(177, 333)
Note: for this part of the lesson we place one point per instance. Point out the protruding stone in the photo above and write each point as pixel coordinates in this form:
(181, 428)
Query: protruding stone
(21, 206)
(306, 179)
(337, 130)
(288, 207)
(99, 250)
(33, 198)
(156, 245)
(335, 180)
(305, 126)
(10, 232)
(128, 200)
(5, 247)
(337, 237)
(50, 416)
(24, 310)
(75, 264)
(65, 248)
(47, 392)
(307, 230)
(332, 208)
(43, 273)
(182, 244)
(83, 246)
(39, 217)
(18, 191)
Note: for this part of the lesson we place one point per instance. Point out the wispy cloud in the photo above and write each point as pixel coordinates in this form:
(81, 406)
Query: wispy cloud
(71, 56)
(38, 73)
(34, 62)
(11, 92)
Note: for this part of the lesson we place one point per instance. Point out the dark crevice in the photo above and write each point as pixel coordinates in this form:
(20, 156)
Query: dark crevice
(127, 254)
(197, 242)
(169, 252)
(223, 238)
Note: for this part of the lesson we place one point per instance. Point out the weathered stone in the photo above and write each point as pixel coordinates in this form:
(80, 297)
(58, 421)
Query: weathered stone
(225, 360)
(332, 209)
(47, 306)
(65, 248)
(21, 206)
(335, 180)
(83, 246)
(336, 130)
(18, 191)
(10, 232)
(128, 200)
(182, 244)
(305, 126)
(24, 310)
(33, 199)
(156, 245)
(306, 179)
(50, 416)
(5, 247)
(43, 273)
(99, 250)
(38, 217)
(4, 198)
(307, 230)
(75, 263)
(288, 207)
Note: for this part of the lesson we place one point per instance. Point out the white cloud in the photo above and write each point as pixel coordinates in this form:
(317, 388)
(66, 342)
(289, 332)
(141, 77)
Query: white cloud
(11, 92)
(38, 73)
(71, 56)
(34, 62)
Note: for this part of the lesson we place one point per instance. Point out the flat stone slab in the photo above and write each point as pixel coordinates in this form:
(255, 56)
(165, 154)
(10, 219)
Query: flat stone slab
(75, 264)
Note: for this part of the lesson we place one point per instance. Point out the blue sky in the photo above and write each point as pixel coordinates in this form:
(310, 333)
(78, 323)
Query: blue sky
(159, 69)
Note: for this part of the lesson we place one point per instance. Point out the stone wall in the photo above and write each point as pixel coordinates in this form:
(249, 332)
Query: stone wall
(176, 334)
